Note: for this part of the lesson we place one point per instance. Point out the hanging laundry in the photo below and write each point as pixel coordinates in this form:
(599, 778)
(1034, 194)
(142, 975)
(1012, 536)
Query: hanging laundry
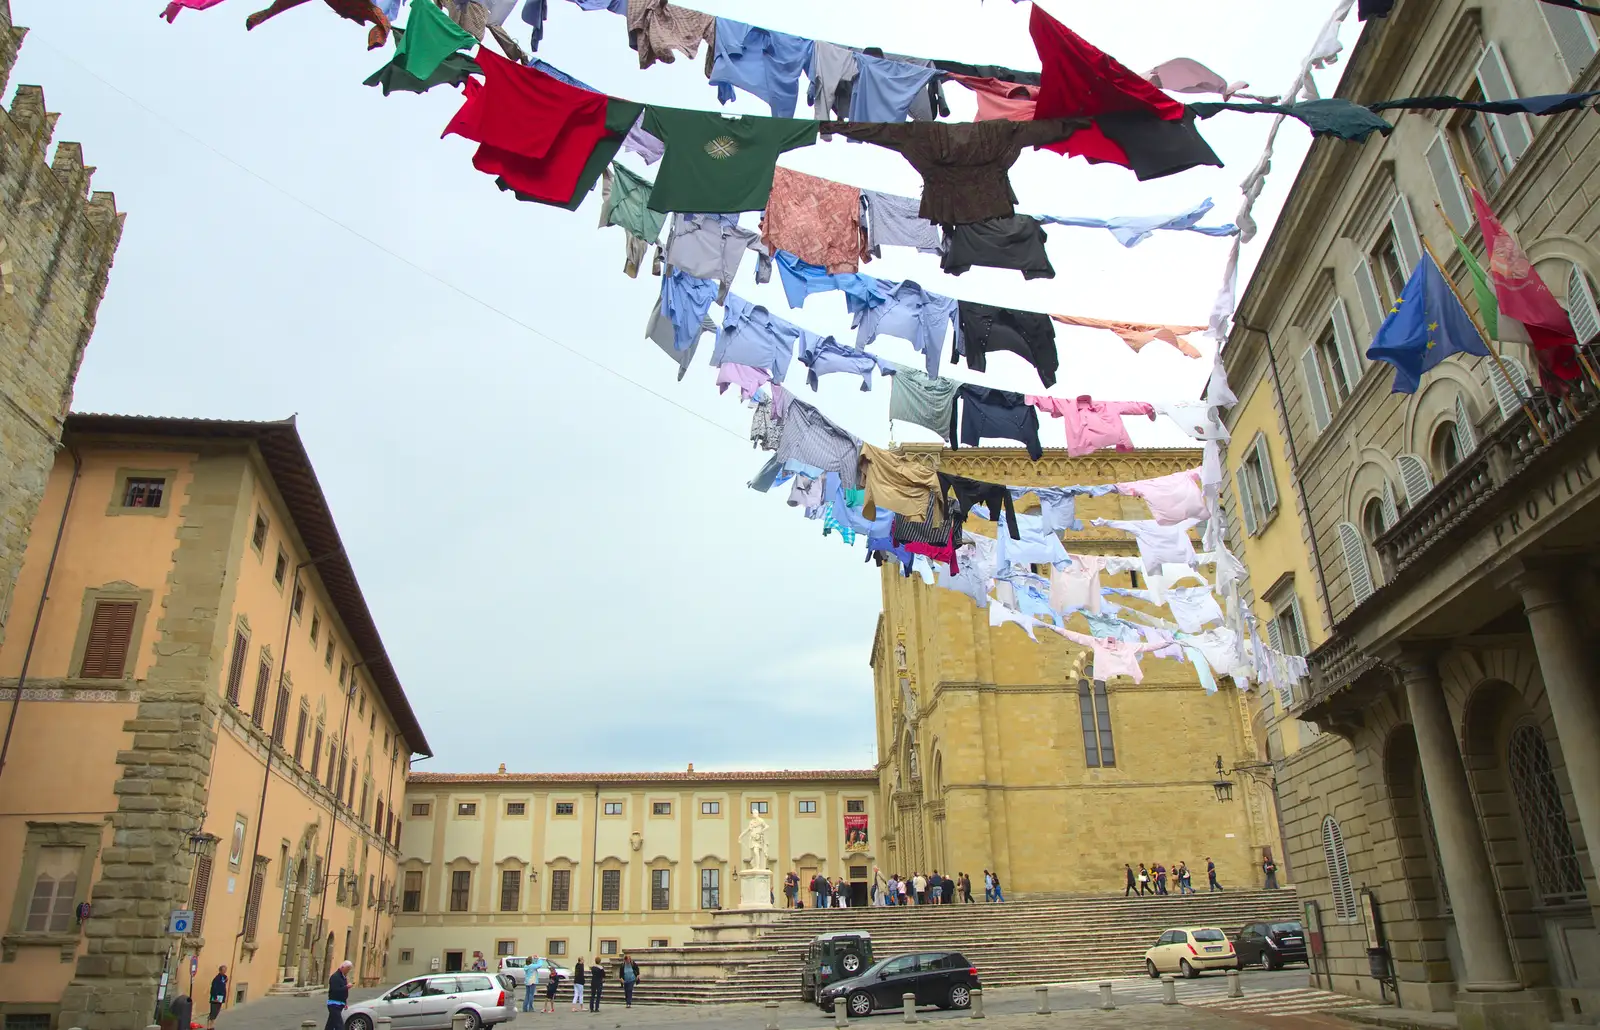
(1221, 648)
(752, 335)
(824, 354)
(807, 493)
(928, 103)
(1183, 75)
(977, 561)
(1000, 414)
(989, 71)
(1033, 543)
(800, 280)
(1200, 421)
(766, 425)
(809, 436)
(619, 115)
(941, 553)
(1000, 614)
(915, 398)
(815, 219)
(175, 6)
(1554, 103)
(1158, 544)
(534, 13)
(910, 313)
(452, 71)
(1218, 392)
(898, 483)
(713, 247)
(1059, 504)
(893, 221)
(986, 328)
(749, 380)
(847, 508)
(1075, 583)
(390, 8)
(1137, 334)
(359, 11)
(1374, 9)
(963, 165)
(1032, 596)
(884, 89)
(556, 73)
(657, 28)
(1573, 5)
(614, 6)
(1092, 425)
(1132, 230)
(1113, 658)
(684, 302)
(961, 495)
(720, 162)
(1015, 241)
(661, 330)
(1330, 117)
(1193, 607)
(830, 522)
(1154, 148)
(832, 74)
(764, 63)
(998, 99)
(642, 143)
(624, 201)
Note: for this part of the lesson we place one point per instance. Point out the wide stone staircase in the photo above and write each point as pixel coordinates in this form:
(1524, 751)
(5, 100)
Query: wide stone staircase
(1043, 939)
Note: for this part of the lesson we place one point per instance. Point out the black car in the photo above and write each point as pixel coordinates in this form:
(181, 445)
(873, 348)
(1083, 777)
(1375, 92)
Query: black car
(1274, 945)
(942, 978)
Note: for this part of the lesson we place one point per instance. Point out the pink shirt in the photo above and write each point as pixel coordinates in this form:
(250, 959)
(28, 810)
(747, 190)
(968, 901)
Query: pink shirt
(194, 5)
(1092, 425)
(1113, 657)
(998, 99)
(1076, 584)
(746, 378)
(1172, 499)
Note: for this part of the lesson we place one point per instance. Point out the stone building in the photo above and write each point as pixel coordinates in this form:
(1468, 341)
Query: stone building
(585, 864)
(56, 245)
(996, 752)
(1432, 552)
(208, 721)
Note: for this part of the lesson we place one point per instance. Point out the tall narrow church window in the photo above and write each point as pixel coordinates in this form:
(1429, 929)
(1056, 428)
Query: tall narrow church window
(1544, 820)
(1099, 751)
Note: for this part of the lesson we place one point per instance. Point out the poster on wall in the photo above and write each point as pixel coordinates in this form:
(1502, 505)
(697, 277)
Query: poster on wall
(855, 834)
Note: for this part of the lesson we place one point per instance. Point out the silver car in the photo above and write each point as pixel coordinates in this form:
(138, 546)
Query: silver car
(429, 1002)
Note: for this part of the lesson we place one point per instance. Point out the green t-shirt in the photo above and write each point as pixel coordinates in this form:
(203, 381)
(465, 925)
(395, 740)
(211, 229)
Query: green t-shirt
(453, 70)
(430, 37)
(717, 163)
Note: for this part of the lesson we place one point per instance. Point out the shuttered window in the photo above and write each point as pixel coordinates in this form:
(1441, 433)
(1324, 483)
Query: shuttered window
(460, 890)
(280, 715)
(105, 652)
(1416, 479)
(300, 735)
(1263, 469)
(258, 711)
(1574, 35)
(660, 889)
(316, 751)
(1405, 233)
(1355, 562)
(1581, 306)
(610, 890)
(1350, 364)
(411, 900)
(1510, 386)
(1316, 395)
(560, 889)
(202, 890)
(1391, 511)
(1513, 132)
(1447, 180)
(510, 890)
(1333, 853)
(252, 904)
(1466, 438)
(1372, 305)
(1247, 502)
(241, 651)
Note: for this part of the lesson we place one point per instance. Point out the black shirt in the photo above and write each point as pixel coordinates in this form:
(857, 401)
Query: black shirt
(219, 987)
(1015, 241)
(986, 328)
(1155, 147)
(998, 413)
(338, 987)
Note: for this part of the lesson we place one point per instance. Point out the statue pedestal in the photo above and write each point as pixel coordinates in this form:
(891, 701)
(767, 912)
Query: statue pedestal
(755, 888)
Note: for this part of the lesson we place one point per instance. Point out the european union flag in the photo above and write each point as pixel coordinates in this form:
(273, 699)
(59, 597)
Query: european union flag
(1425, 326)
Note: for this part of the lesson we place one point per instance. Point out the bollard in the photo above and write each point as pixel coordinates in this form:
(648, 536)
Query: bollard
(977, 1003)
(772, 1015)
(1235, 989)
(385, 1022)
(908, 1003)
(458, 1021)
(1105, 997)
(1041, 994)
(839, 1017)
(1169, 991)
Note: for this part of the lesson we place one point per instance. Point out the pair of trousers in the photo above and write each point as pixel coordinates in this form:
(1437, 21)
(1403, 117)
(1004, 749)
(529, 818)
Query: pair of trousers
(528, 993)
(1185, 887)
(817, 900)
(1214, 884)
(594, 997)
(577, 993)
(335, 1016)
(1272, 881)
(627, 993)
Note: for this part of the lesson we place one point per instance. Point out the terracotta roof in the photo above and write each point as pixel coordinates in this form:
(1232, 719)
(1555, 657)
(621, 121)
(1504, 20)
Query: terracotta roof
(742, 776)
(290, 467)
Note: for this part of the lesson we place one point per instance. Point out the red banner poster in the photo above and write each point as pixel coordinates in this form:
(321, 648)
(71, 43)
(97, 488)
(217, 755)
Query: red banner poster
(855, 834)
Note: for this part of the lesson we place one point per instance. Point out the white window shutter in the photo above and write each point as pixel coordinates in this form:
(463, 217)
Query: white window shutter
(1269, 488)
(1303, 644)
(1355, 562)
(1447, 180)
(1414, 476)
(1344, 339)
(1246, 504)
(1581, 306)
(1466, 436)
(1405, 233)
(1274, 635)
(1574, 35)
(1316, 395)
(1391, 511)
(1508, 392)
(1495, 80)
(1371, 305)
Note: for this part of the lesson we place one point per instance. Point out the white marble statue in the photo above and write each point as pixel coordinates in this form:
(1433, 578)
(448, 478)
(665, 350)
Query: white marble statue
(756, 833)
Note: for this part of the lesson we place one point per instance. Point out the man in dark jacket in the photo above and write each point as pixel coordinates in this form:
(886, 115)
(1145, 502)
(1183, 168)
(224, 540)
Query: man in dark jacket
(338, 995)
(218, 993)
(597, 977)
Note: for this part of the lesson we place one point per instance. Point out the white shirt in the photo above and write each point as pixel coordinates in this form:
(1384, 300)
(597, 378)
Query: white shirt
(1157, 544)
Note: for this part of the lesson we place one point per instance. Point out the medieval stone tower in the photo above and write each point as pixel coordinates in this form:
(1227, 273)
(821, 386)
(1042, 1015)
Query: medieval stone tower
(56, 245)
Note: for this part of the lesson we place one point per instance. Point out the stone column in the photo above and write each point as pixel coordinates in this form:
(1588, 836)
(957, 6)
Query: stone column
(1559, 639)
(1484, 949)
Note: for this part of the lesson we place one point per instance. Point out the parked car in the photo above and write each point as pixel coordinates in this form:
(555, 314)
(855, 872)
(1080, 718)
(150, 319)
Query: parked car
(429, 1002)
(1190, 951)
(1274, 945)
(833, 957)
(515, 966)
(942, 978)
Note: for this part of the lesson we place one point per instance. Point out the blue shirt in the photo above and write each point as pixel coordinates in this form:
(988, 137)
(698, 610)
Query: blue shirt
(1132, 230)
(685, 301)
(851, 518)
(911, 313)
(801, 279)
(752, 335)
(760, 61)
(614, 6)
(884, 89)
(1059, 504)
(1038, 543)
(824, 354)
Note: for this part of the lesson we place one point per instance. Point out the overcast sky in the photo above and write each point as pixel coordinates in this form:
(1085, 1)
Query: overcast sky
(553, 533)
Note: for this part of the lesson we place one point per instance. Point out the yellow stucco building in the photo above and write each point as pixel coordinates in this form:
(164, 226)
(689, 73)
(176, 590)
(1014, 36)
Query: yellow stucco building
(207, 722)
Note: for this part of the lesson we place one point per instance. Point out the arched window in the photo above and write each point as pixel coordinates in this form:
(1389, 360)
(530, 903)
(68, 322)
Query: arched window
(1544, 820)
(1094, 712)
(1374, 520)
(1344, 897)
(1446, 448)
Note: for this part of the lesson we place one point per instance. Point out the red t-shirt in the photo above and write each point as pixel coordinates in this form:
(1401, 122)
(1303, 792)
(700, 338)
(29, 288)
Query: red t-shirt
(535, 130)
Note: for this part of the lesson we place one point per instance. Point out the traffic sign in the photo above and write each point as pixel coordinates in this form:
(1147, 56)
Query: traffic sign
(180, 920)
(194, 965)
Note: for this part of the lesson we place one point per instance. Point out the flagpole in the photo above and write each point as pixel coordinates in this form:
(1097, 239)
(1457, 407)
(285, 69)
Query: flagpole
(1494, 352)
(1582, 358)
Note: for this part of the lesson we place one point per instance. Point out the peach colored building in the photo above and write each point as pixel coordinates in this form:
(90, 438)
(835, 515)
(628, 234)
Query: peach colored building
(208, 722)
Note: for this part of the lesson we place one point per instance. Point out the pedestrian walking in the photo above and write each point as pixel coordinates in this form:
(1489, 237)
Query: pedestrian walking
(1185, 879)
(999, 892)
(479, 963)
(966, 888)
(530, 984)
(630, 972)
(338, 995)
(1144, 880)
(577, 986)
(597, 980)
(218, 993)
(550, 991)
(988, 886)
(1269, 869)
(791, 889)
(1132, 878)
(1161, 877)
(1211, 875)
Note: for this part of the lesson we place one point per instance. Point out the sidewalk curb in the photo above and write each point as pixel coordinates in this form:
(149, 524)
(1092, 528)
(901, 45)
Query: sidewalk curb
(1380, 1017)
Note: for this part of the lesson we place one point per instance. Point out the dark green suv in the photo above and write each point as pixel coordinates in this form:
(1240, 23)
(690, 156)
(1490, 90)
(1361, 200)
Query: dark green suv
(833, 957)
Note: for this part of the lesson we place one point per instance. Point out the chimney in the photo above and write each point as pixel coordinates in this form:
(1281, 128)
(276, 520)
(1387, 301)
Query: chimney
(691, 767)
(502, 768)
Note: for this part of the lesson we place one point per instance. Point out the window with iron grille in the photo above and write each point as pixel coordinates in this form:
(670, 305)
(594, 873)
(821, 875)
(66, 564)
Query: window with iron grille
(202, 891)
(661, 808)
(280, 567)
(556, 947)
(421, 809)
(143, 492)
(660, 889)
(711, 888)
(1094, 712)
(855, 807)
(467, 808)
(564, 808)
(299, 600)
(105, 652)
(710, 807)
(516, 808)
(609, 946)
(504, 948)
(510, 890)
(241, 649)
(252, 904)
(460, 889)
(610, 890)
(1544, 818)
(560, 889)
(411, 901)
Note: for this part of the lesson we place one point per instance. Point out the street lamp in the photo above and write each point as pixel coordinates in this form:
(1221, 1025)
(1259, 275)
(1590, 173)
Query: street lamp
(203, 845)
(1223, 786)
